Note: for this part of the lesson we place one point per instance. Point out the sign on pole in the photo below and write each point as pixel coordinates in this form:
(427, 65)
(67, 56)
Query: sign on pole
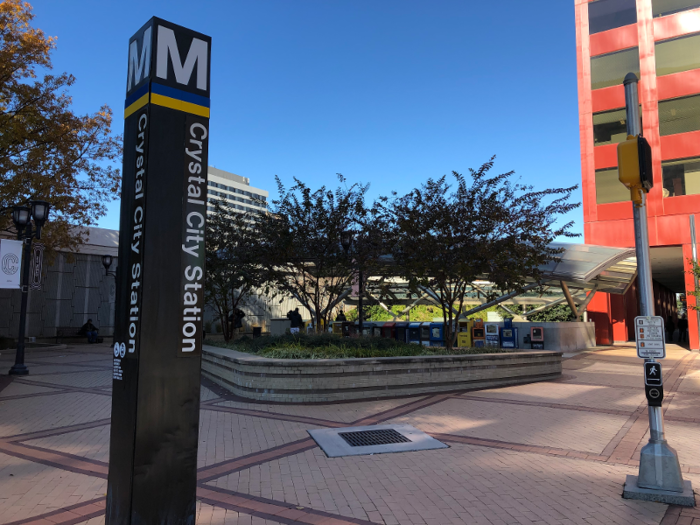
(10, 263)
(37, 266)
(650, 337)
(160, 278)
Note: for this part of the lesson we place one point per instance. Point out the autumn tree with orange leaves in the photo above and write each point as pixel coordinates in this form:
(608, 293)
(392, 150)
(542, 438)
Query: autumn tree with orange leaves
(47, 152)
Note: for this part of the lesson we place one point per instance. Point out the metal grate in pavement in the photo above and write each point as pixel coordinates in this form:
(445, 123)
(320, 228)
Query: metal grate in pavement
(372, 439)
(369, 438)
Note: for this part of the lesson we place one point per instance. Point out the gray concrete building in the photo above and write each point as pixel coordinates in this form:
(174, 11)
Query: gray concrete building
(234, 192)
(74, 288)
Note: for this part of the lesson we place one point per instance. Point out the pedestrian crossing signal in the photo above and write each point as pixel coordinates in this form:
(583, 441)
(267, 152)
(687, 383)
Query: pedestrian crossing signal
(652, 374)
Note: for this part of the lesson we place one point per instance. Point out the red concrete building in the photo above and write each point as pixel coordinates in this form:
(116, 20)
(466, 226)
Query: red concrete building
(659, 40)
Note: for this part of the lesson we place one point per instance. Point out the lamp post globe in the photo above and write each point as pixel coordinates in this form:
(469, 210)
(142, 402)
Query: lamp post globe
(20, 216)
(107, 261)
(40, 212)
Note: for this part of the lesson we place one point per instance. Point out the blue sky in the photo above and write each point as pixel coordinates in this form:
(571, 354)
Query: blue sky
(386, 92)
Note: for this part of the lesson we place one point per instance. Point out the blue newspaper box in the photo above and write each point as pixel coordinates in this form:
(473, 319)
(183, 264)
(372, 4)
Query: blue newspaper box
(414, 333)
(367, 329)
(437, 334)
(401, 332)
(509, 335)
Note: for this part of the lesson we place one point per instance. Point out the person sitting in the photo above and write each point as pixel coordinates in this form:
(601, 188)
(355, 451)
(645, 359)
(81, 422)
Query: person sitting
(341, 317)
(89, 330)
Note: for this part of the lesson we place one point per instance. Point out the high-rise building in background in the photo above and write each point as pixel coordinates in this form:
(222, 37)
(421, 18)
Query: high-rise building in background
(235, 192)
(237, 195)
(658, 40)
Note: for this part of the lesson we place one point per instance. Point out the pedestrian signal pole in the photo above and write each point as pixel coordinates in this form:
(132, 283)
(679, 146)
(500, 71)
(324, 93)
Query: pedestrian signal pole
(660, 477)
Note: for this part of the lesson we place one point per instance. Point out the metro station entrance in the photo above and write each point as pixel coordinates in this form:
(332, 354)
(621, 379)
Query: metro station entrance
(614, 314)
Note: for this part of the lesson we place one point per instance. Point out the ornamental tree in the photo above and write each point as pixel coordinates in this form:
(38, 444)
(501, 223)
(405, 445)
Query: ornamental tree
(300, 244)
(233, 274)
(445, 236)
(47, 152)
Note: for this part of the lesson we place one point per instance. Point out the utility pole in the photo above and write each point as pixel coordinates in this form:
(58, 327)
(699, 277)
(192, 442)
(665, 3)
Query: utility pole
(660, 477)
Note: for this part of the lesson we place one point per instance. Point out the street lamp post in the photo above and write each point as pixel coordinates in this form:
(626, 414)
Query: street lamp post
(347, 240)
(22, 217)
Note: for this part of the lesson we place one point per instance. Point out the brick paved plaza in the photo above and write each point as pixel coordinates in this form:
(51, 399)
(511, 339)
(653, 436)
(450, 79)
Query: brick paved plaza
(546, 453)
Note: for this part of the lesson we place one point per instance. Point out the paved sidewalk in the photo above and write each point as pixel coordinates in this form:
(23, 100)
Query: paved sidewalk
(546, 453)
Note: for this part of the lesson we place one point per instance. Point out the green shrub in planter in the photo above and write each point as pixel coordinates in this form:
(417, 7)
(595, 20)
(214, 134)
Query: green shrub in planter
(326, 346)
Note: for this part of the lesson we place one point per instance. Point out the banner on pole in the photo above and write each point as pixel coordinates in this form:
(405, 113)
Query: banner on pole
(10, 263)
(37, 266)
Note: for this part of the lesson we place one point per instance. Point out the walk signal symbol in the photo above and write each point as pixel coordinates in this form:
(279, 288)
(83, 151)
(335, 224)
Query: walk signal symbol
(653, 384)
(652, 374)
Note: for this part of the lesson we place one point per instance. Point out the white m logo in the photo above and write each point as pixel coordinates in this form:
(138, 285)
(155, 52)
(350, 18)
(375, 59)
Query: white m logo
(167, 45)
(139, 67)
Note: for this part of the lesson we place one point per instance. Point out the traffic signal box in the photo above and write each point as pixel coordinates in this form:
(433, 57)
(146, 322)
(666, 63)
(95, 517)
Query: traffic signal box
(478, 333)
(634, 166)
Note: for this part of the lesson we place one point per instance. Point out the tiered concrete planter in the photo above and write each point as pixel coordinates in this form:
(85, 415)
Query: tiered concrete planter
(326, 380)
